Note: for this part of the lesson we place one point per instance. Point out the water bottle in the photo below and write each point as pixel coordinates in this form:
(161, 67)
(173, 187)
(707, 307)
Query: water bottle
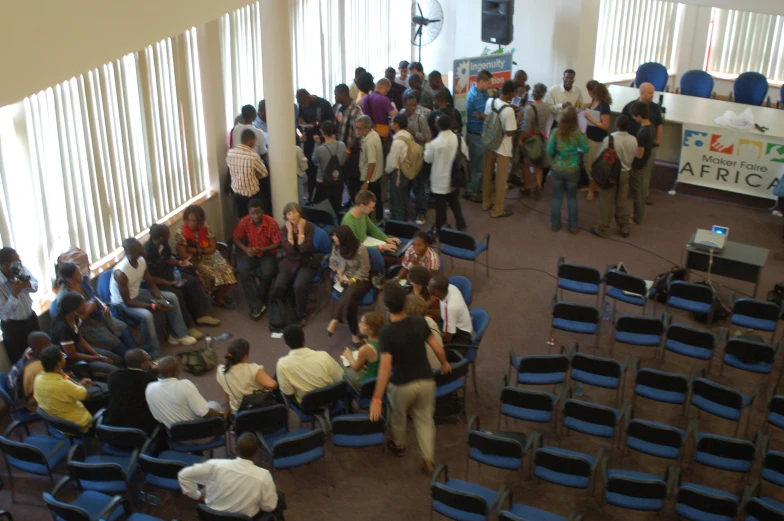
(222, 337)
(579, 389)
(606, 311)
(177, 277)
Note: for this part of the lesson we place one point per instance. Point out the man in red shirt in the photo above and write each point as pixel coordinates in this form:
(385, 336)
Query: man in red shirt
(258, 236)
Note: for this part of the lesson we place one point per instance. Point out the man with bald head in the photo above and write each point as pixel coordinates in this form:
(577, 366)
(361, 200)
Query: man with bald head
(173, 400)
(379, 107)
(236, 485)
(656, 119)
(127, 403)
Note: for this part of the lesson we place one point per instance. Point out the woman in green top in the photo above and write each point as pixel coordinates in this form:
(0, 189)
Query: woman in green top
(564, 147)
(365, 365)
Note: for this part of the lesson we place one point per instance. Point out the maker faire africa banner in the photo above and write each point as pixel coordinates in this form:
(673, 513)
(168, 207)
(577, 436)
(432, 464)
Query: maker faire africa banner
(466, 69)
(732, 160)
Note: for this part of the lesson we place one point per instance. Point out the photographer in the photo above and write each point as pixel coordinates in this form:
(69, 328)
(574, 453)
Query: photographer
(17, 318)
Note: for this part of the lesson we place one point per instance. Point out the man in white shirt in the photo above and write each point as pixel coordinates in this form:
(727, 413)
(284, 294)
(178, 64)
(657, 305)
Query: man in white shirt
(371, 157)
(614, 200)
(126, 292)
(403, 78)
(235, 486)
(499, 158)
(564, 95)
(457, 326)
(173, 400)
(399, 184)
(248, 117)
(303, 369)
(441, 153)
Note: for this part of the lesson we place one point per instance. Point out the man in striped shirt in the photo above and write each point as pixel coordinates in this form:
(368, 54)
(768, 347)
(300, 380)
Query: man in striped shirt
(246, 168)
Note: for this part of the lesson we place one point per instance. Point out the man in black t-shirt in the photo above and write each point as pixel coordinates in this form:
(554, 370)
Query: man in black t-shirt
(127, 402)
(646, 138)
(404, 366)
(657, 119)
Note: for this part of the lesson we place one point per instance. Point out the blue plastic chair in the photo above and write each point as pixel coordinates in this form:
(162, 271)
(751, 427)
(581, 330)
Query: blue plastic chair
(453, 382)
(722, 401)
(463, 245)
(363, 396)
(656, 439)
(104, 293)
(776, 411)
(183, 434)
(320, 218)
(62, 428)
(654, 73)
(724, 453)
(748, 355)
(19, 412)
(511, 511)
(690, 342)
(294, 449)
(697, 83)
(660, 386)
(580, 319)
(593, 419)
(700, 503)
(624, 287)
(502, 450)
(330, 400)
(750, 88)
(693, 297)
(465, 287)
(538, 369)
(402, 230)
(578, 278)
(88, 506)
(102, 473)
(480, 320)
(462, 500)
(36, 454)
(764, 509)
(598, 371)
(634, 330)
(773, 468)
(322, 244)
(356, 431)
(635, 490)
(760, 315)
(566, 468)
(527, 405)
(159, 470)
(123, 441)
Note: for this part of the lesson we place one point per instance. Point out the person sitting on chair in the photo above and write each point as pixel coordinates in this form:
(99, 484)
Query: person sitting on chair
(127, 404)
(239, 378)
(22, 376)
(363, 364)
(457, 327)
(420, 253)
(303, 369)
(57, 394)
(350, 264)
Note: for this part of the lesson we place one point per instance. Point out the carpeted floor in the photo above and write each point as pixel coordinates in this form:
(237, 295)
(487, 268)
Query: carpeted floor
(523, 255)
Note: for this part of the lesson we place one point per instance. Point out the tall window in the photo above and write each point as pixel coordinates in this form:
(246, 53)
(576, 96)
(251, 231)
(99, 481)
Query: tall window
(102, 156)
(633, 32)
(741, 41)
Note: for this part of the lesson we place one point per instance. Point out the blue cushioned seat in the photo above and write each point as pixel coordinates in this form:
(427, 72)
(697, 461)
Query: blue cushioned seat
(637, 339)
(531, 415)
(578, 287)
(774, 477)
(772, 503)
(776, 419)
(618, 294)
(760, 324)
(54, 451)
(541, 378)
(362, 440)
(688, 350)
(689, 305)
(719, 462)
(573, 326)
(722, 411)
(94, 502)
(503, 462)
(608, 382)
(449, 388)
(653, 449)
(108, 487)
(288, 462)
(754, 367)
(594, 429)
(462, 253)
(487, 495)
(660, 395)
(533, 514)
(136, 516)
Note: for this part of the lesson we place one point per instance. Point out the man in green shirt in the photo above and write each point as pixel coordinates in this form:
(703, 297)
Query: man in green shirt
(359, 221)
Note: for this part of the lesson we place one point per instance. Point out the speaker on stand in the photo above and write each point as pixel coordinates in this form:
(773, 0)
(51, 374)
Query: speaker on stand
(497, 26)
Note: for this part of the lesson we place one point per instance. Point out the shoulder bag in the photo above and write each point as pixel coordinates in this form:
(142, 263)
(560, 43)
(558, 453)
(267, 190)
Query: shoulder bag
(258, 398)
(533, 142)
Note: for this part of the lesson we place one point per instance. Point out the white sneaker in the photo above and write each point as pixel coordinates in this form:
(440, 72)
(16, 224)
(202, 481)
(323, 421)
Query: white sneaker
(185, 341)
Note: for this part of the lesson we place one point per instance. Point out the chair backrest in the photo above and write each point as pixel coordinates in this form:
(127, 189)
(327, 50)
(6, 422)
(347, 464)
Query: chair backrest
(640, 325)
(654, 73)
(400, 229)
(459, 370)
(457, 239)
(637, 486)
(318, 216)
(356, 425)
(703, 500)
(527, 398)
(590, 413)
(321, 241)
(367, 388)
(697, 83)
(751, 88)
(5, 392)
(774, 460)
(692, 291)
(21, 451)
(264, 420)
(543, 364)
(663, 381)
(205, 513)
(496, 444)
(657, 433)
(197, 429)
(556, 460)
(597, 365)
(68, 428)
(304, 442)
(717, 393)
(465, 287)
(154, 466)
(104, 285)
(459, 500)
(579, 273)
(725, 447)
(750, 350)
(376, 260)
(577, 312)
(751, 307)
(64, 511)
(96, 472)
(480, 319)
(776, 405)
(318, 399)
(761, 510)
(625, 282)
(123, 438)
(691, 336)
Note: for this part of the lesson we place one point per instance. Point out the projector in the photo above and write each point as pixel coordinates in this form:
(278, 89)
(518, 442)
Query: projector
(711, 240)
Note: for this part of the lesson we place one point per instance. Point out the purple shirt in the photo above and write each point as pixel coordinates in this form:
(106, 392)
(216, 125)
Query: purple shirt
(377, 107)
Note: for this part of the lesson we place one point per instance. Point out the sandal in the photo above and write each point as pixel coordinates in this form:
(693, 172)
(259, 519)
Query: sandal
(395, 450)
(506, 213)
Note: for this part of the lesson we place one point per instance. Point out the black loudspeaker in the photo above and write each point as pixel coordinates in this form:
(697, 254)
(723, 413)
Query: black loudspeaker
(497, 24)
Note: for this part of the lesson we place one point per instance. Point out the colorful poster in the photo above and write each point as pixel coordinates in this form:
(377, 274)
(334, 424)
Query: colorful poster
(732, 160)
(466, 69)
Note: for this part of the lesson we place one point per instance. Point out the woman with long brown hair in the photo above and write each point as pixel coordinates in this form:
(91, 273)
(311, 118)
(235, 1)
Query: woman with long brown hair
(350, 263)
(596, 130)
(564, 147)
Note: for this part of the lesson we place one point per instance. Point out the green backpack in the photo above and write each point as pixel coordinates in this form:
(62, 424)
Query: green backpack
(198, 361)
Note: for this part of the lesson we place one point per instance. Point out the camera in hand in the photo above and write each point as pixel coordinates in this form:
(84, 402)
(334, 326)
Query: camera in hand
(17, 272)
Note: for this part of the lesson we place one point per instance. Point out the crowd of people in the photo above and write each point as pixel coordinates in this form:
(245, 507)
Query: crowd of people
(394, 139)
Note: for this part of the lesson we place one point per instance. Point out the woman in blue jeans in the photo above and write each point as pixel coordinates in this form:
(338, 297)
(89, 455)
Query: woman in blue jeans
(564, 147)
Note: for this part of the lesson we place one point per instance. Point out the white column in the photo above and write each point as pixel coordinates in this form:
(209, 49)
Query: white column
(279, 93)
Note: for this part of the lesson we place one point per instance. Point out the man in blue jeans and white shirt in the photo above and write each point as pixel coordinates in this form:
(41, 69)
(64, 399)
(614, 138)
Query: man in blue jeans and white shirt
(139, 303)
(476, 101)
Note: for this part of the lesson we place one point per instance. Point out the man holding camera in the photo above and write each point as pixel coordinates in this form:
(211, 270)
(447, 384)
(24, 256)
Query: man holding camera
(17, 318)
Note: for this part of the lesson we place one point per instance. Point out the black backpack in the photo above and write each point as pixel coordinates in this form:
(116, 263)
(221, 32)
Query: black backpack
(281, 314)
(460, 167)
(333, 172)
(659, 291)
(607, 167)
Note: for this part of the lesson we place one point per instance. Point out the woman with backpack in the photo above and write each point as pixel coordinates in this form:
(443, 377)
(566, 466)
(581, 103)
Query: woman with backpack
(564, 147)
(534, 127)
(329, 157)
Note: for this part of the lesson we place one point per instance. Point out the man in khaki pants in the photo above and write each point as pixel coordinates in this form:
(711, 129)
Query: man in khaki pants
(412, 390)
(499, 158)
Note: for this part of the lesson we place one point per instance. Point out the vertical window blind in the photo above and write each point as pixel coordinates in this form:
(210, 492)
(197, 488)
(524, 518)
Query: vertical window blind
(742, 41)
(102, 156)
(633, 32)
